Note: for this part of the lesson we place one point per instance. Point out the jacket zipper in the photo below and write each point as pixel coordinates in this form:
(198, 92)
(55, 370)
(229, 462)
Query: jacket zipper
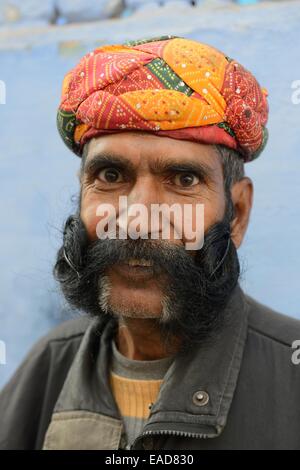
(170, 433)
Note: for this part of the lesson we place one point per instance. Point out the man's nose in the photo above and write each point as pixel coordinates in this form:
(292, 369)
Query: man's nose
(145, 191)
(137, 213)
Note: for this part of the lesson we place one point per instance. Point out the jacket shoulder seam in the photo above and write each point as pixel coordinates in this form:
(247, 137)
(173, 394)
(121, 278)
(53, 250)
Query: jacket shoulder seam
(262, 333)
(66, 338)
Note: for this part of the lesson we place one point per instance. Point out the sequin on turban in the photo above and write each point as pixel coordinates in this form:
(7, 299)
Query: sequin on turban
(168, 86)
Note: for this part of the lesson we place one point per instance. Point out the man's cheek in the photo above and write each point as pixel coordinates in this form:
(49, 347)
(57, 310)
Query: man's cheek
(90, 220)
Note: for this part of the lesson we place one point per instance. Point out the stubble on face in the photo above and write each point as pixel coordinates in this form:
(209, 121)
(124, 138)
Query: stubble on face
(136, 303)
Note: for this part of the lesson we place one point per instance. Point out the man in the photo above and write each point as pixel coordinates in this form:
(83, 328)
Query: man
(172, 353)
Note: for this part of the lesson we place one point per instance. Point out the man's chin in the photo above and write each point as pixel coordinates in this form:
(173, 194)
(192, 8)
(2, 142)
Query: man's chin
(132, 300)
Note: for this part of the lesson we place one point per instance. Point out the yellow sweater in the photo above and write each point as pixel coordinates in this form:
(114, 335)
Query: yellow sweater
(135, 386)
(133, 396)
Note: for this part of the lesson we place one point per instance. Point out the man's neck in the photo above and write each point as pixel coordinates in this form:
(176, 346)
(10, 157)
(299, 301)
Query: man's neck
(140, 339)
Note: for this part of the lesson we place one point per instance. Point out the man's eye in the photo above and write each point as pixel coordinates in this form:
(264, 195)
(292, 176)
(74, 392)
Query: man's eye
(110, 175)
(186, 179)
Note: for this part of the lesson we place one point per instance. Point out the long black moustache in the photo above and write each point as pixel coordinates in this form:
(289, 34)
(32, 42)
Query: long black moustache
(199, 286)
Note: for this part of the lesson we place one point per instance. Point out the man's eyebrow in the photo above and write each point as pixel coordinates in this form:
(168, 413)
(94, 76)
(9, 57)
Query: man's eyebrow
(159, 166)
(168, 165)
(102, 160)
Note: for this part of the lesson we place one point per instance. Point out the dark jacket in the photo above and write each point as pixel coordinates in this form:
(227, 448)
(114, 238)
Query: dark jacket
(241, 391)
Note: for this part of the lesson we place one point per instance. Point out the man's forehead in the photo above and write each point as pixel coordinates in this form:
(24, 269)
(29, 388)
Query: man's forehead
(137, 147)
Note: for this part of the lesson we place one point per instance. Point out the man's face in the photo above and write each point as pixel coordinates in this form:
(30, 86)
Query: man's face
(148, 169)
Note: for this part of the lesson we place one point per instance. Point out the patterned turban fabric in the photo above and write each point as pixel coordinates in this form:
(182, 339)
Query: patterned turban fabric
(168, 86)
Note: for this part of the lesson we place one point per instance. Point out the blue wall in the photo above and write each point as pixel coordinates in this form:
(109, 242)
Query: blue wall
(38, 174)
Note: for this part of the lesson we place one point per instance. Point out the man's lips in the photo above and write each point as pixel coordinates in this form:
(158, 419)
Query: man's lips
(139, 262)
(135, 269)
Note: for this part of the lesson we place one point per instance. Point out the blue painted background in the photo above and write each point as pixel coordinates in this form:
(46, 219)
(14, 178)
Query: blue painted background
(38, 174)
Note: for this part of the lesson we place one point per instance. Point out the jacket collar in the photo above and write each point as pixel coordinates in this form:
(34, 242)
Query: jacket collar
(209, 373)
(197, 391)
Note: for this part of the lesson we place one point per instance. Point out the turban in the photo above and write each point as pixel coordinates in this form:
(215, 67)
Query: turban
(168, 86)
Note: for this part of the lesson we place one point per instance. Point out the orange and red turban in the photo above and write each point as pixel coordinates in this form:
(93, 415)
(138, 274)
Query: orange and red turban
(169, 86)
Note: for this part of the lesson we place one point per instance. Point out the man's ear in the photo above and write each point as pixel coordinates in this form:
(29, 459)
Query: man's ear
(242, 199)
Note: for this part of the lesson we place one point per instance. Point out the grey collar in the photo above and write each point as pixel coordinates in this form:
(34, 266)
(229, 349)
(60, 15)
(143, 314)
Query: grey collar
(139, 370)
